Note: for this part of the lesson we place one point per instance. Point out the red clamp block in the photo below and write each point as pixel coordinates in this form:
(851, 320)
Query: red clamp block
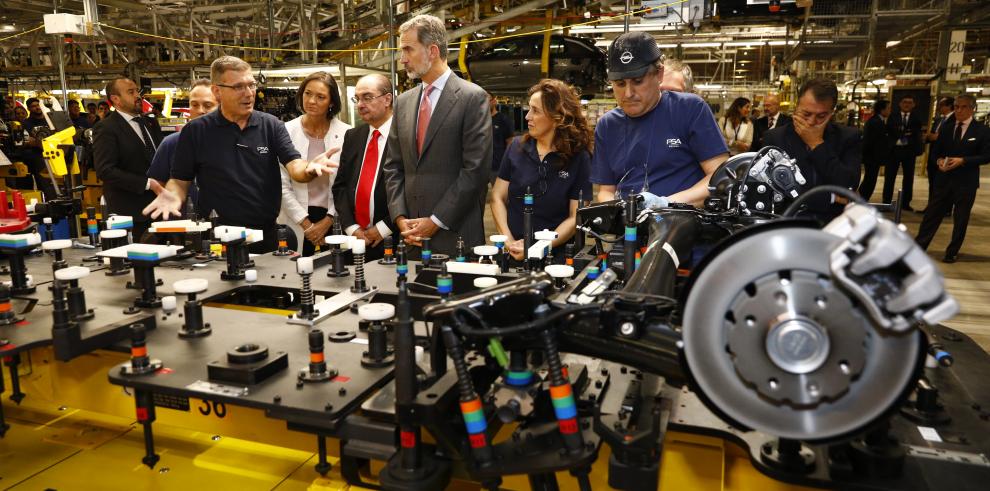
(13, 218)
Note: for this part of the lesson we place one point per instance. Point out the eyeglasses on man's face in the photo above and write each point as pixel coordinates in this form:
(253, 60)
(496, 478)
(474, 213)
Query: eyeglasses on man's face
(367, 98)
(243, 87)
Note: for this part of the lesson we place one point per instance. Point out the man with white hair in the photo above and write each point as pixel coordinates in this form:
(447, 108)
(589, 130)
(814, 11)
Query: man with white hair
(677, 76)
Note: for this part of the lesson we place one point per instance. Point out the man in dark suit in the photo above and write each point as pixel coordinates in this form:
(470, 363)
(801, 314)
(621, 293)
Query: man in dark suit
(359, 189)
(963, 145)
(439, 147)
(825, 152)
(905, 132)
(124, 143)
(876, 147)
(773, 119)
(945, 106)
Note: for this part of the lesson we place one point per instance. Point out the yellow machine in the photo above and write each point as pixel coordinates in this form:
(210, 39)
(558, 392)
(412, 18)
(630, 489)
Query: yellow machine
(55, 155)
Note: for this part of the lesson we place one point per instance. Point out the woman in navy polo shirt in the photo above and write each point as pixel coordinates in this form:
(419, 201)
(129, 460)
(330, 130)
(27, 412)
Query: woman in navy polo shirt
(553, 160)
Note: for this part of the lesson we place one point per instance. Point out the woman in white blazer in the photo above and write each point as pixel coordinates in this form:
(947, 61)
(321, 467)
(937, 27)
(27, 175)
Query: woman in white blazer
(307, 208)
(737, 129)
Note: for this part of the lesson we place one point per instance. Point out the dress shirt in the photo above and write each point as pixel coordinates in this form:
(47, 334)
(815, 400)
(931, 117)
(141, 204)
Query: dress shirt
(965, 127)
(382, 227)
(434, 97)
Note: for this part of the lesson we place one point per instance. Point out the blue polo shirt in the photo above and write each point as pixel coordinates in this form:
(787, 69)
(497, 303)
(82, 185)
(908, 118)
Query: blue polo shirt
(161, 165)
(665, 145)
(236, 170)
(551, 193)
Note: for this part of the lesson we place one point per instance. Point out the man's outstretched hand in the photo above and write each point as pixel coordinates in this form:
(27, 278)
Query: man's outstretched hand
(167, 203)
(322, 164)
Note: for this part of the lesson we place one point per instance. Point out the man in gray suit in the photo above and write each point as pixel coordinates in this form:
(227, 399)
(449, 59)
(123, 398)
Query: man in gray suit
(439, 148)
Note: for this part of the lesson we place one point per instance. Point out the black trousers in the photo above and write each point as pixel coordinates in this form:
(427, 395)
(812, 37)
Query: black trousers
(904, 158)
(958, 196)
(870, 173)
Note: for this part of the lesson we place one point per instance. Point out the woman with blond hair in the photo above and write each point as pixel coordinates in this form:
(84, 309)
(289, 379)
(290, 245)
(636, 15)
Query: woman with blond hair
(552, 160)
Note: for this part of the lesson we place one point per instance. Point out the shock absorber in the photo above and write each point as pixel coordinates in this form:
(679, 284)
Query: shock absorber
(357, 251)
(561, 393)
(304, 266)
(471, 408)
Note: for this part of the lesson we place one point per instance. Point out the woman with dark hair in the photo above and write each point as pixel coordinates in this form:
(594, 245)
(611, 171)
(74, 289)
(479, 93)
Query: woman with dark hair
(552, 161)
(736, 127)
(307, 208)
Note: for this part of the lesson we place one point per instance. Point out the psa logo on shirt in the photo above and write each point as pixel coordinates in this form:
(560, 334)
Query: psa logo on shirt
(262, 150)
(673, 143)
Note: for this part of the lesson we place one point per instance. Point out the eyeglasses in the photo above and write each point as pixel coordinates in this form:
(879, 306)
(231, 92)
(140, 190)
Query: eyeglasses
(367, 99)
(250, 87)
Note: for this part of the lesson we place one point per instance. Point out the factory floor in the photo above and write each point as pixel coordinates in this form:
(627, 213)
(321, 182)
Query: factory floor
(56, 446)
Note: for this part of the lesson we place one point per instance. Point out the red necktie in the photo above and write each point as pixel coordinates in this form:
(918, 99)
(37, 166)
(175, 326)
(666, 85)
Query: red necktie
(369, 170)
(423, 123)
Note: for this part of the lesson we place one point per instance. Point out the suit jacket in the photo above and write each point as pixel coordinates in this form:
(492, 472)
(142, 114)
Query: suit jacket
(452, 171)
(122, 164)
(762, 125)
(974, 149)
(910, 129)
(876, 141)
(836, 161)
(349, 174)
(936, 127)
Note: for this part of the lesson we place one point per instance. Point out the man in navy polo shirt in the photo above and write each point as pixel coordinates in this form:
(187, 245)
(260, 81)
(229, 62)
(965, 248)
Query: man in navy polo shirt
(234, 153)
(666, 143)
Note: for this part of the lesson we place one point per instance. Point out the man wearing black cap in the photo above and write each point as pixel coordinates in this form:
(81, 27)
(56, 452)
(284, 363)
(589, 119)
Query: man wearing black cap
(666, 143)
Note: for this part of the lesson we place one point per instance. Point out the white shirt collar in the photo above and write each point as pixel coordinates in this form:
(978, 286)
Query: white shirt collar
(440, 82)
(128, 116)
(383, 129)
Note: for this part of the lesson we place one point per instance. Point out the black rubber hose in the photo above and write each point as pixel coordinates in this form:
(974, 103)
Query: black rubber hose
(828, 188)
(657, 270)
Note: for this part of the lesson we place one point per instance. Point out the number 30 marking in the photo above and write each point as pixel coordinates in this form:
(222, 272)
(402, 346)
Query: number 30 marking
(217, 408)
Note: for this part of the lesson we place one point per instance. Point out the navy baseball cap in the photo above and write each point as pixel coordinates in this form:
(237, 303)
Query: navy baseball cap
(631, 55)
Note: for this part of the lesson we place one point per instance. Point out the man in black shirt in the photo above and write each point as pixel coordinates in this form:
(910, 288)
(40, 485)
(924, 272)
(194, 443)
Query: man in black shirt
(826, 153)
(234, 154)
(77, 117)
(31, 153)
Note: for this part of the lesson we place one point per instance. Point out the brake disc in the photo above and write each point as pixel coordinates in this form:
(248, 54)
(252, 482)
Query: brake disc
(774, 344)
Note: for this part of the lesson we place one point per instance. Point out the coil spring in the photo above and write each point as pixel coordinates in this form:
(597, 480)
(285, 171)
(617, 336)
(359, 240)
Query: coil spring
(359, 269)
(456, 352)
(553, 358)
(306, 294)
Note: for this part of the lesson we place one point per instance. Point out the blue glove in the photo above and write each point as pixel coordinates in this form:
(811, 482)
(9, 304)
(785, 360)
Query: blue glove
(651, 200)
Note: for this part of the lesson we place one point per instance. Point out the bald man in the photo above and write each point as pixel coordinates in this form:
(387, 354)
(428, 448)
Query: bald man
(773, 119)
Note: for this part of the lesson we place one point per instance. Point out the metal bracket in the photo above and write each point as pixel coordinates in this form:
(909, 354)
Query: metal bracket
(332, 306)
